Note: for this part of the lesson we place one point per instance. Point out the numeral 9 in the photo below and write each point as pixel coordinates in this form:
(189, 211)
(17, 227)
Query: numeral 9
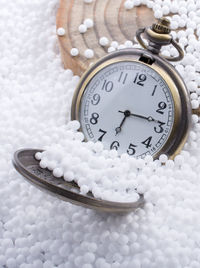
(95, 99)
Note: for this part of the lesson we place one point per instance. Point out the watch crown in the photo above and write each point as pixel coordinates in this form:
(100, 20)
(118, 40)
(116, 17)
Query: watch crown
(162, 26)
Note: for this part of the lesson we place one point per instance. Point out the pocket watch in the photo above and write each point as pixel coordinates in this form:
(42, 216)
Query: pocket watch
(133, 100)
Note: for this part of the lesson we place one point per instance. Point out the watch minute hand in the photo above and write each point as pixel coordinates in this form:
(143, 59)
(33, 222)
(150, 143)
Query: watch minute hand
(137, 115)
(140, 116)
(149, 118)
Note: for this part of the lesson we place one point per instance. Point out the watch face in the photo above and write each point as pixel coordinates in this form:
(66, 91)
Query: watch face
(129, 107)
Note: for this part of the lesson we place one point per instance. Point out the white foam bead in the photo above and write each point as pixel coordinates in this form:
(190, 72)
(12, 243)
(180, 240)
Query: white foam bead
(88, 23)
(197, 83)
(48, 264)
(174, 34)
(98, 147)
(58, 172)
(192, 15)
(181, 34)
(173, 51)
(37, 264)
(87, 265)
(182, 23)
(188, 59)
(141, 189)
(74, 52)
(128, 4)
(148, 158)
(198, 32)
(111, 49)
(194, 96)
(61, 31)
(150, 4)
(166, 2)
(189, 31)
(163, 158)
(74, 125)
(166, 53)
(192, 135)
(190, 49)
(2, 260)
(84, 189)
(174, 7)
(179, 160)
(43, 164)
(38, 155)
(191, 7)
(165, 10)
(103, 41)
(88, 1)
(195, 104)
(114, 44)
(89, 53)
(79, 136)
(169, 163)
(11, 263)
(128, 43)
(158, 14)
(121, 47)
(197, 66)
(82, 28)
(174, 25)
(137, 2)
(195, 118)
(182, 10)
(180, 68)
(176, 18)
(89, 257)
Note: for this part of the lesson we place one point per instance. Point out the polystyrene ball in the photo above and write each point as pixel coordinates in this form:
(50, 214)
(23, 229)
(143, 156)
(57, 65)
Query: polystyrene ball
(88, 23)
(129, 4)
(89, 53)
(82, 28)
(61, 31)
(103, 41)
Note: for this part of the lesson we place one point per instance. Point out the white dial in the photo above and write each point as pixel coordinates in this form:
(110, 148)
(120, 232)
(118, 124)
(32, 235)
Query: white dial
(129, 107)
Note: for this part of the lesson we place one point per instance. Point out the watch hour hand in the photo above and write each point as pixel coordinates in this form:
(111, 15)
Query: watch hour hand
(118, 129)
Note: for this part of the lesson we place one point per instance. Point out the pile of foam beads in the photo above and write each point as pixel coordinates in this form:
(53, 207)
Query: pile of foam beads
(39, 231)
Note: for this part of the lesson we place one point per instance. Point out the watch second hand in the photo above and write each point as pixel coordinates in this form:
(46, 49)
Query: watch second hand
(150, 119)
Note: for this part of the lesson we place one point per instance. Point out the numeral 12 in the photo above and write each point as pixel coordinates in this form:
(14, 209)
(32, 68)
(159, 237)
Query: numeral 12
(139, 79)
